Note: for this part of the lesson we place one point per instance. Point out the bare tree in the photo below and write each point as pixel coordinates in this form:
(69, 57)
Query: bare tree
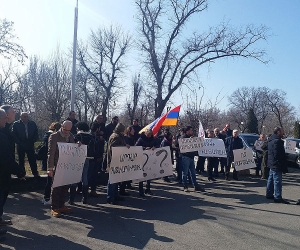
(9, 48)
(132, 105)
(172, 59)
(103, 58)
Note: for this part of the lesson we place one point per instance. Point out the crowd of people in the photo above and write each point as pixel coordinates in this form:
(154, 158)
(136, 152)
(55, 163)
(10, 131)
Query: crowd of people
(101, 138)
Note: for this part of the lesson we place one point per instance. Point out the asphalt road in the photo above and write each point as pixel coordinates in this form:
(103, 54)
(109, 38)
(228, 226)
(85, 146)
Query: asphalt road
(229, 215)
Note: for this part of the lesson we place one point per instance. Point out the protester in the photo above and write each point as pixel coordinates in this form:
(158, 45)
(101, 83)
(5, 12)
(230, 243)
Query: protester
(10, 112)
(188, 163)
(25, 133)
(72, 118)
(109, 128)
(178, 156)
(259, 153)
(58, 194)
(212, 162)
(98, 158)
(277, 165)
(264, 167)
(53, 128)
(129, 140)
(136, 128)
(148, 142)
(221, 160)
(115, 140)
(6, 161)
(232, 143)
(228, 132)
(100, 121)
(84, 137)
(167, 142)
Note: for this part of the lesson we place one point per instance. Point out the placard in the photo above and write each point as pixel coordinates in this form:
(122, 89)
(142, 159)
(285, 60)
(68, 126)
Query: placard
(290, 146)
(70, 164)
(126, 164)
(157, 164)
(243, 159)
(213, 147)
(190, 144)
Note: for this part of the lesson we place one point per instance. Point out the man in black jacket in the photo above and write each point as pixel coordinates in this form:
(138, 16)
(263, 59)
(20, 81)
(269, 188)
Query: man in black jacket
(109, 128)
(6, 161)
(232, 143)
(277, 166)
(25, 133)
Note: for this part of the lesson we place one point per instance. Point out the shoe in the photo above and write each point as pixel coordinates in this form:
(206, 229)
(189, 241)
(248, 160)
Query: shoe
(93, 194)
(119, 198)
(112, 202)
(211, 179)
(84, 200)
(3, 231)
(235, 178)
(65, 210)
(124, 193)
(298, 202)
(270, 197)
(227, 178)
(71, 202)
(148, 191)
(185, 189)
(56, 213)
(222, 172)
(198, 188)
(166, 179)
(281, 201)
(5, 222)
(142, 194)
(47, 202)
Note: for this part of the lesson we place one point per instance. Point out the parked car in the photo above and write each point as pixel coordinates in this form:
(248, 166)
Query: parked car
(249, 140)
(294, 158)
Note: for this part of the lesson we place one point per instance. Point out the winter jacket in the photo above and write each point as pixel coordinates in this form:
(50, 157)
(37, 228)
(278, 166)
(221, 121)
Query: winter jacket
(129, 140)
(19, 133)
(115, 140)
(147, 142)
(276, 154)
(109, 129)
(6, 162)
(231, 144)
(87, 139)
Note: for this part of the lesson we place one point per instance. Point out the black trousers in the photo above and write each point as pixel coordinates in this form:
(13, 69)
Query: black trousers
(31, 159)
(228, 166)
(200, 163)
(3, 198)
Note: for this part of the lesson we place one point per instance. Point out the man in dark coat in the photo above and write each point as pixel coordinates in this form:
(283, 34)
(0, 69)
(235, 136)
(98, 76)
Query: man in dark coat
(6, 161)
(109, 128)
(137, 129)
(25, 133)
(232, 143)
(277, 166)
(228, 132)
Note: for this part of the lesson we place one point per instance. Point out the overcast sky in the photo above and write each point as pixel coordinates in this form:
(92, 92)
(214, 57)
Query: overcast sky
(42, 24)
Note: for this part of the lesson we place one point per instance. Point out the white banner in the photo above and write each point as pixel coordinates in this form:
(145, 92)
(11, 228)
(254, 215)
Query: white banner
(290, 146)
(157, 164)
(213, 147)
(243, 159)
(70, 164)
(126, 164)
(190, 144)
(258, 145)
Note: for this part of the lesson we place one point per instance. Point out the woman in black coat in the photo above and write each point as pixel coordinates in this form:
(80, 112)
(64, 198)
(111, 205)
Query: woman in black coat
(148, 142)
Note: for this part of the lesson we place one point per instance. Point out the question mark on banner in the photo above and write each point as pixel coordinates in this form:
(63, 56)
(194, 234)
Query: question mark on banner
(165, 157)
(145, 174)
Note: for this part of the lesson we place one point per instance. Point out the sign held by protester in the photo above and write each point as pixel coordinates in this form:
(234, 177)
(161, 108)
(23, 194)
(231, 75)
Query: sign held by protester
(70, 164)
(290, 146)
(157, 164)
(243, 159)
(213, 147)
(190, 144)
(126, 164)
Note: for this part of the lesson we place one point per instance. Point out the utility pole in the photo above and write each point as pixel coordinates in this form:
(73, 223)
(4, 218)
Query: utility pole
(74, 58)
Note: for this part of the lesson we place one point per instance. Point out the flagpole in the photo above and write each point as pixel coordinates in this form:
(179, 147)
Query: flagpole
(74, 58)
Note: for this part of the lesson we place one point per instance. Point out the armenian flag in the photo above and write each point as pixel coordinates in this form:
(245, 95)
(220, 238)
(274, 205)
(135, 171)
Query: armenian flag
(172, 117)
